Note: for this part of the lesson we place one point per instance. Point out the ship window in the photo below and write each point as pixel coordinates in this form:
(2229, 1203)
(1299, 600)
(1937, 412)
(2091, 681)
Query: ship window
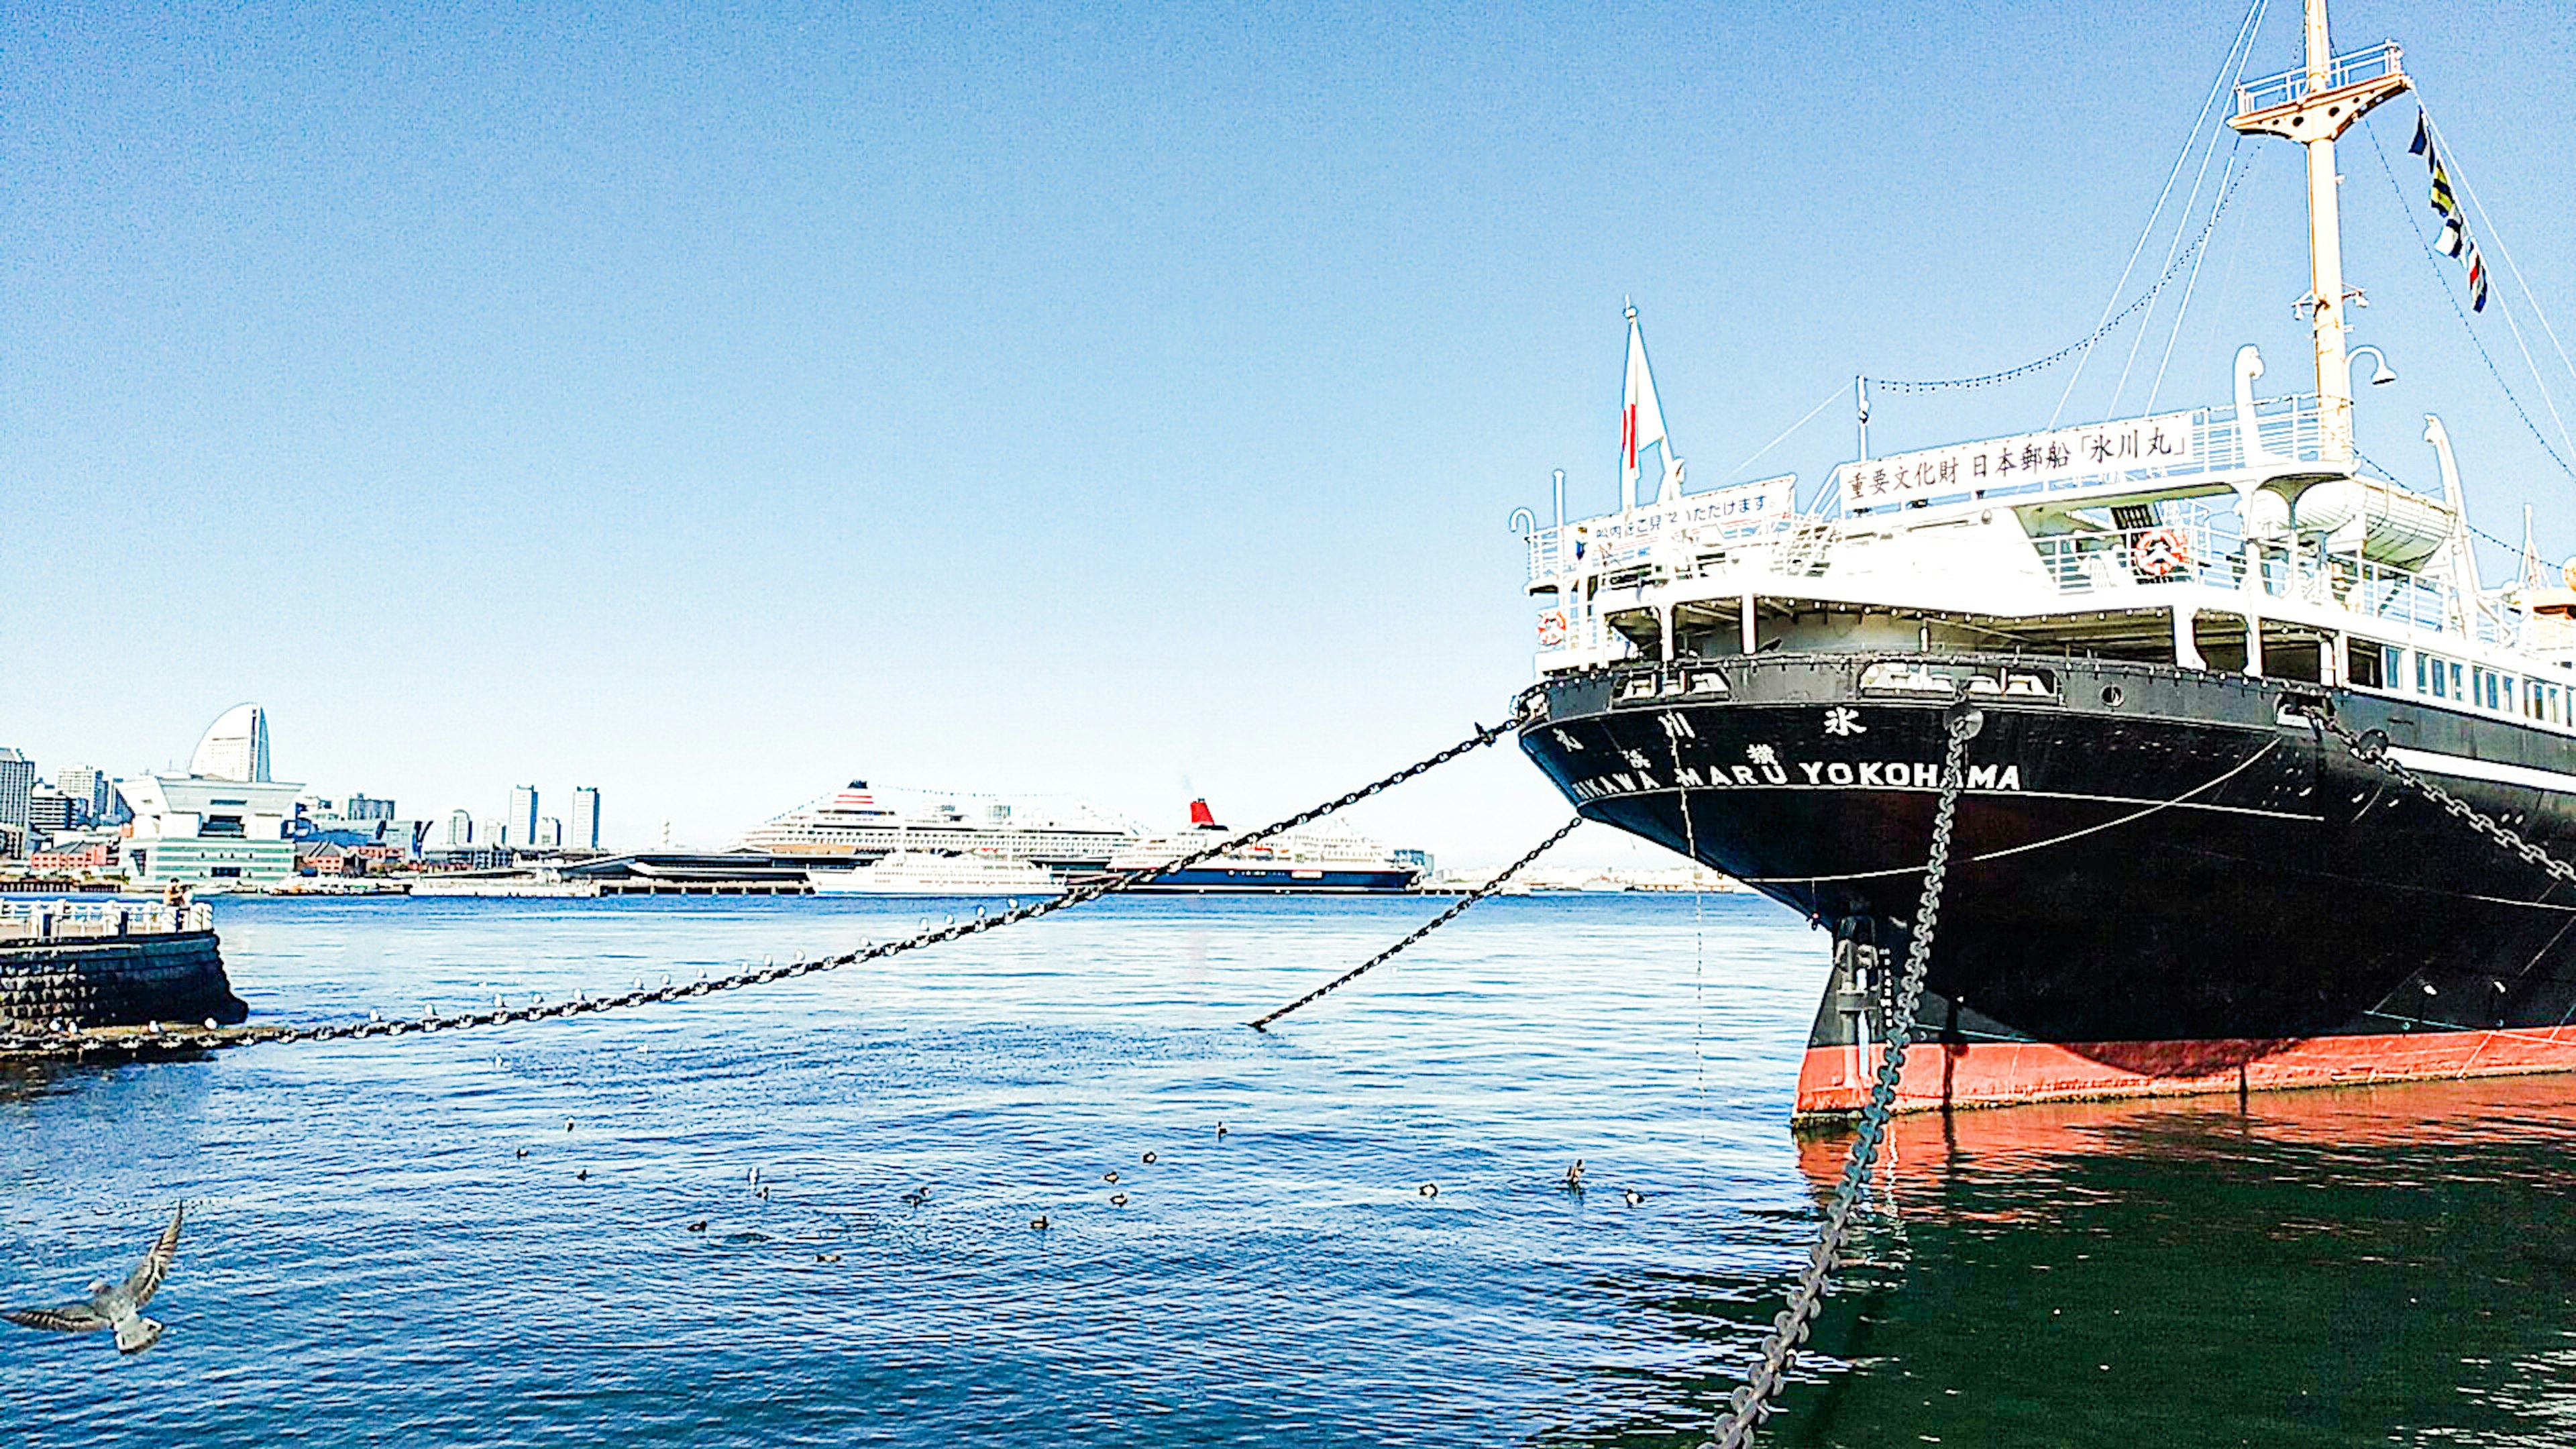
(2456, 691)
(2371, 667)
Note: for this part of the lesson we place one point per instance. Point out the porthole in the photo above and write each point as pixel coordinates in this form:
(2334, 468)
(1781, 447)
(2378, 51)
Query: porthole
(2114, 696)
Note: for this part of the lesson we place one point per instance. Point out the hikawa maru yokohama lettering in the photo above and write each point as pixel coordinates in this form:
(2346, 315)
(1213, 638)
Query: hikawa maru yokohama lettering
(1767, 771)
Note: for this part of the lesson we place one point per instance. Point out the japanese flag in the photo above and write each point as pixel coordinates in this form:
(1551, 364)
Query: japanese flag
(1641, 414)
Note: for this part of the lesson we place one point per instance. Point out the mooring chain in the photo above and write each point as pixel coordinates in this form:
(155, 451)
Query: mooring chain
(1262, 1023)
(1750, 1404)
(2372, 749)
(582, 1004)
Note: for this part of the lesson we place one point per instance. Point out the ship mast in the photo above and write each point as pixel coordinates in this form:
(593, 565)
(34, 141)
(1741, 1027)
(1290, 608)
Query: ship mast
(2312, 106)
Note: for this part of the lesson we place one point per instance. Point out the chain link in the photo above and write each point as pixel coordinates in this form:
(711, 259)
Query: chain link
(583, 1004)
(2372, 749)
(1426, 928)
(1749, 1405)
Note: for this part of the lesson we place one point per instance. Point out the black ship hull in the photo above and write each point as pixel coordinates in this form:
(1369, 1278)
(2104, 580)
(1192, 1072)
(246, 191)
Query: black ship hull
(2162, 879)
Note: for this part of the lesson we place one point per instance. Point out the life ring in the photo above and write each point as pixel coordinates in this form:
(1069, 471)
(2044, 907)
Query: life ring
(1551, 629)
(2161, 553)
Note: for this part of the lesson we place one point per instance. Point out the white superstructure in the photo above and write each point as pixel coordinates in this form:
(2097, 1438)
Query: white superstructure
(2243, 536)
(857, 825)
(920, 873)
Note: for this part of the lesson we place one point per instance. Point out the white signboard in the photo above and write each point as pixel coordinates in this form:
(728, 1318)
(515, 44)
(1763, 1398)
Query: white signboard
(2138, 445)
(1719, 513)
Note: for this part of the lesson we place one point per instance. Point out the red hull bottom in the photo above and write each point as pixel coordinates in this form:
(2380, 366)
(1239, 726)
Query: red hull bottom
(1834, 1080)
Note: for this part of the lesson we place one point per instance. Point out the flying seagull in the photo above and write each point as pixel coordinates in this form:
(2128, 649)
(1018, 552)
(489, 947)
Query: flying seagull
(119, 1307)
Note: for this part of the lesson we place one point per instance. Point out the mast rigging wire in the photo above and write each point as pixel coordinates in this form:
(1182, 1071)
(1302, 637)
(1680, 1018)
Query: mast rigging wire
(2239, 51)
(2209, 152)
(2098, 333)
(2443, 277)
(2182, 309)
(2442, 146)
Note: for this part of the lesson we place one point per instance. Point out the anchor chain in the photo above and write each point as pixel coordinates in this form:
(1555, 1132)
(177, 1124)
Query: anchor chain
(582, 1004)
(1749, 1405)
(2372, 749)
(1262, 1023)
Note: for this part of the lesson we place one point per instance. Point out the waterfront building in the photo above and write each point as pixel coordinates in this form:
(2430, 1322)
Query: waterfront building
(89, 788)
(522, 815)
(363, 807)
(50, 812)
(17, 782)
(74, 857)
(585, 819)
(460, 830)
(549, 834)
(224, 823)
(235, 747)
(494, 835)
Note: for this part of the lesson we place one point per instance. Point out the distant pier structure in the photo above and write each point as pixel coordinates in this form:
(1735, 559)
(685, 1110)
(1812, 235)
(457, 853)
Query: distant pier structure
(112, 963)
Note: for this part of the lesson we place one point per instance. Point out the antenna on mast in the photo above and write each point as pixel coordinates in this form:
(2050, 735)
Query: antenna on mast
(2313, 105)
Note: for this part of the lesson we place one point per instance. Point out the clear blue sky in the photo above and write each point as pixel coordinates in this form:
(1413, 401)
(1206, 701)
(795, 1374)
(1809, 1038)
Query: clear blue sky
(715, 403)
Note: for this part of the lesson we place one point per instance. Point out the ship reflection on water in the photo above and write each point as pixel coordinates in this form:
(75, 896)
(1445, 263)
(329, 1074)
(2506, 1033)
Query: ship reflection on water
(2370, 1265)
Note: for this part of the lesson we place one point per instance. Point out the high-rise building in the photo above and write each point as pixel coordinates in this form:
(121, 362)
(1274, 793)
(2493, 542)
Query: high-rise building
(235, 747)
(585, 819)
(224, 823)
(89, 788)
(522, 814)
(17, 781)
(460, 830)
(549, 834)
(49, 811)
(494, 835)
(361, 807)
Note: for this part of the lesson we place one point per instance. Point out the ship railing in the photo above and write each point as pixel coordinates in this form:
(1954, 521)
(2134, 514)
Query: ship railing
(39, 921)
(1660, 540)
(2352, 68)
(2149, 451)
(1658, 543)
(2211, 551)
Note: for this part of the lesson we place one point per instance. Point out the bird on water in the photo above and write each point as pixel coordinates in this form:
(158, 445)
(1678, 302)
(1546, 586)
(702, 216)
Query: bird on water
(119, 1307)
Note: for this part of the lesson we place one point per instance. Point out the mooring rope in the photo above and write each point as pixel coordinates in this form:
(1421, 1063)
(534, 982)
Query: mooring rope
(1262, 1023)
(583, 1004)
(1751, 1404)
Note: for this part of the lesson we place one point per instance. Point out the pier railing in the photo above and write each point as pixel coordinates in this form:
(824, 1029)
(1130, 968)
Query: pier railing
(27, 922)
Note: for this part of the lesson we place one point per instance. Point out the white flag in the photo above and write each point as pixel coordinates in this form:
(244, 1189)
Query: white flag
(1641, 418)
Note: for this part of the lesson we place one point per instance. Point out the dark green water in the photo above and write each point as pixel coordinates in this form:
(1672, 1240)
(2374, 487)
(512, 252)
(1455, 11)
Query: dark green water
(2385, 1266)
(482, 1237)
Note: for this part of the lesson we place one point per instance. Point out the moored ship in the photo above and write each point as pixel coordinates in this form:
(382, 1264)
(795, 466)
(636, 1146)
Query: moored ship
(2166, 876)
(923, 873)
(857, 826)
(1310, 860)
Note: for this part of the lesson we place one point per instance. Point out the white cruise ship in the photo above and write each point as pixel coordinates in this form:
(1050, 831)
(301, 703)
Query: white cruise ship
(1308, 860)
(856, 826)
(922, 873)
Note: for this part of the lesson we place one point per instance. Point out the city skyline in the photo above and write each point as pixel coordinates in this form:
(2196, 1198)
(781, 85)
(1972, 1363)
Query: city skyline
(1091, 403)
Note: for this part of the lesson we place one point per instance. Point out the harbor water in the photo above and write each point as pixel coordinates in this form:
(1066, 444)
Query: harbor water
(485, 1237)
